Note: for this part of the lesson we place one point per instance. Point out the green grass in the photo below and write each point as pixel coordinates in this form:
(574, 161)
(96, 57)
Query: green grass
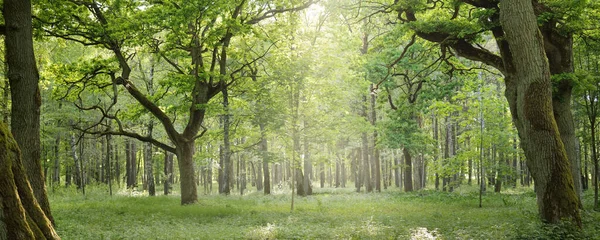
(329, 214)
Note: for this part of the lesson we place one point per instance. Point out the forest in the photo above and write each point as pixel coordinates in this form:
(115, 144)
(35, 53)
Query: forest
(299, 119)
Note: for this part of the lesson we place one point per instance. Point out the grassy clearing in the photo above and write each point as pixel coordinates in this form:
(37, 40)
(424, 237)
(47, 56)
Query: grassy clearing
(329, 214)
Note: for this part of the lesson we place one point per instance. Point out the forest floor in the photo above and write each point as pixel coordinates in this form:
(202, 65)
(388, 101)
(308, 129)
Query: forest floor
(329, 214)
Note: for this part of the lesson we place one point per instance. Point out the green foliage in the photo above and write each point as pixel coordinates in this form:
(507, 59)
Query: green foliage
(329, 214)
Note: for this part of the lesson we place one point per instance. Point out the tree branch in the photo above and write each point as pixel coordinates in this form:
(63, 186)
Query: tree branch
(271, 13)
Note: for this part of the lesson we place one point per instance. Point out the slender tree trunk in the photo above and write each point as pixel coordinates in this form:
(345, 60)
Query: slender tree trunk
(358, 169)
(226, 150)
(397, 166)
(594, 154)
(117, 166)
(56, 167)
(131, 153)
(168, 172)
(585, 179)
(307, 164)
(265, 160)
(343, 174)
(109, 154)
(83, 177)
(408, 184)
(375, 152)
(149, 163)
(337, 174)
(76, 162)
(530, 99)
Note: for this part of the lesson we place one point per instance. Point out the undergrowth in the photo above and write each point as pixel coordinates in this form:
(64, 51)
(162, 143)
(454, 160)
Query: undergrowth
(329, 214)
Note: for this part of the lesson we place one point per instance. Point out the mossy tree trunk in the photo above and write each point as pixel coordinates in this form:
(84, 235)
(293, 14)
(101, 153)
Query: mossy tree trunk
(25, 95)
(21, 217)
(529, 93)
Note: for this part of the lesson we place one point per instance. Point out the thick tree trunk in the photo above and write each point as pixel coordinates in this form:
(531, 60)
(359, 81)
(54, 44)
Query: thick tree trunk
(530, 98)
(21, 217)
(185, 160)
(25, 94)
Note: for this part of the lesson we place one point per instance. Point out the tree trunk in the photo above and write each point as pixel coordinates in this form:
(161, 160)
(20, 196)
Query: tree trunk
(131, 153)
(21, 217)
(337, 174)
(529, 94)
(109, 155)
(76, 163)
(307, 164)
(168, 173)
(185, 160)
(149, 163)
(226, 150)
(408, 184)
(397, 167)
(343, 174)
(375, 152)
(25, 94)
(265, 159)
(436, 154)
(56, 167)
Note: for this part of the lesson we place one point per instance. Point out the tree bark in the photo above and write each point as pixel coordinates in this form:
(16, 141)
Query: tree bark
(149, 163)
(408, 184)
(226, 151)
(265, 161)
(21, 217)
(528, 90)
(168, 173)
(25, 94)
(56, 167)
(76, 164)
(366, 166)
(375, 152)
(307, 164)
(185, 154)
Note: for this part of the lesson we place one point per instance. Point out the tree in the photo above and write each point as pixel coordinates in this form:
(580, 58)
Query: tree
(25, 94)
(196, 51)
(25, 209)
(529, 93)
(461, 34)
(588, 93)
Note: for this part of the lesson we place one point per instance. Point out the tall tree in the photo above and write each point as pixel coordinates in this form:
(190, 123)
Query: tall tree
(25, 94)
(24, 208)
(194, 44)
(529, 94)
(557, 45)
